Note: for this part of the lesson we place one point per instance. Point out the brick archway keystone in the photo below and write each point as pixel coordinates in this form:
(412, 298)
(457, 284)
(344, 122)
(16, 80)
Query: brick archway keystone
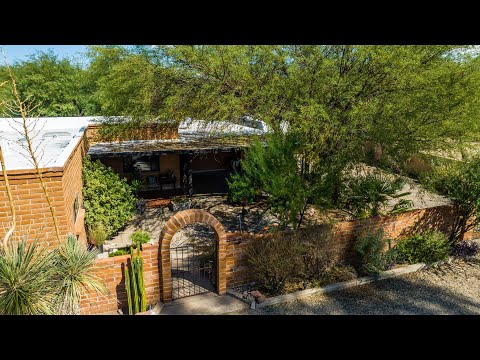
(175, 223)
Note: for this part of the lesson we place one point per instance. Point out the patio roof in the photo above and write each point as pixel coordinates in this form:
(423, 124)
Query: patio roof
(185, 144)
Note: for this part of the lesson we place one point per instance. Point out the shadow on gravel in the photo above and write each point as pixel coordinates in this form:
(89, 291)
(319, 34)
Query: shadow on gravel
(398, 296)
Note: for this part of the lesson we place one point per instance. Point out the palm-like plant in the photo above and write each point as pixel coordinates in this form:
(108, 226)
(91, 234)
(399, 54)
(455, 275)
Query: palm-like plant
(366, 192)
(75, 272)
(27, 279)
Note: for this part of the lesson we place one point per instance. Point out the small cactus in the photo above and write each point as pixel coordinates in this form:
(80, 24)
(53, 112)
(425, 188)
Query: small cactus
(135, 285)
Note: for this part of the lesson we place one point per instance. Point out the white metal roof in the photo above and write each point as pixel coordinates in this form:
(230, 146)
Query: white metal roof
(55, 137)
(58, 136)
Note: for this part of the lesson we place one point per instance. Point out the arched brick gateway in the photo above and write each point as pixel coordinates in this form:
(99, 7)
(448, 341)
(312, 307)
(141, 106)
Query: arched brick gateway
(175, 223)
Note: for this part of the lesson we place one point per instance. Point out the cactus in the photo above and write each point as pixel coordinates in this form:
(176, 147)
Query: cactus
(135, 285)
(127, 288)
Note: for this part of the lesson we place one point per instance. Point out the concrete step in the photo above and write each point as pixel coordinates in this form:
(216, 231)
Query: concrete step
(204, 304)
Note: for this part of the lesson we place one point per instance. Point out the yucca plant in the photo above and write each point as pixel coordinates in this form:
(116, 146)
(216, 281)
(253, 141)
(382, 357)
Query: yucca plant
(27, 279)
(75, 273)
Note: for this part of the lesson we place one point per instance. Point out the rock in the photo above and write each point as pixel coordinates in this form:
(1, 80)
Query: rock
(253, 305)
(258, 296)
(255, 293)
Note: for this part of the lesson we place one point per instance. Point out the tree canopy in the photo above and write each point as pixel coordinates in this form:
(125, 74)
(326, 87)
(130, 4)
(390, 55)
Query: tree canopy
(401, 99)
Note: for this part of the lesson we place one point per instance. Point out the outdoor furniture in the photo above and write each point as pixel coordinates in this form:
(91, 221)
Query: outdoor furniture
(157, 182)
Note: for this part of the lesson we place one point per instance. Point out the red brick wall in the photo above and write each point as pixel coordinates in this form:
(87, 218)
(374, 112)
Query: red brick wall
(72, 186)
(111, 272)
(344, 234)
(236, 270)
(33, 215)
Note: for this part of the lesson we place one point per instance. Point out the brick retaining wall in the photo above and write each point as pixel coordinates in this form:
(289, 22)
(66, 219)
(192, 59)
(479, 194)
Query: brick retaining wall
(236, 271)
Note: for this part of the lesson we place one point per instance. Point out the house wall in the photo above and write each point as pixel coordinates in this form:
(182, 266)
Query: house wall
(33, 216)
(72, 183)
(171, 162)
(167, 162)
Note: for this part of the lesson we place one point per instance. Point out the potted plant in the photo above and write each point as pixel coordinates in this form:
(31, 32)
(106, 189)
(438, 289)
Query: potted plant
(179, 203)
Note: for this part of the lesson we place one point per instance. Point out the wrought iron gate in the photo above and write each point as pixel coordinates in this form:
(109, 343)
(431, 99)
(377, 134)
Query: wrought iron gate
(192, 272)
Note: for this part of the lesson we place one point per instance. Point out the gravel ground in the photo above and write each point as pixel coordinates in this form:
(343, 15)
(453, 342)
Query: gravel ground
(451, 289)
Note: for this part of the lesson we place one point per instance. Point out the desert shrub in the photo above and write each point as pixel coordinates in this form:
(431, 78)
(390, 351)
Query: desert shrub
(119, 252)
(392, 257)
(108, 200)
(240, 190)
(426, 247)
(460, 182)
(37, 280)
(336, 271)
(274, 259)
(317, 250)
(364, 193)
(97, 234)
(464, 249)
(369, 248)
(139, 237)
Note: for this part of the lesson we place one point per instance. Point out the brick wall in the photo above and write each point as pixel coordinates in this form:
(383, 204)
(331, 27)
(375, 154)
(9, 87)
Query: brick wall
(33, 215)
(111, 272)
(152, 132)
(72, 187)
(236, 271)
(344, 234)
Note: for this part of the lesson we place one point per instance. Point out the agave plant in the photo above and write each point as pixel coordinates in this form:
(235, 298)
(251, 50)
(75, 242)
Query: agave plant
(27, 279)
(75, 267)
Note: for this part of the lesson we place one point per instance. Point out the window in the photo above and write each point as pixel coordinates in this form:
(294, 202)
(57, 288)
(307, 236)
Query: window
(140, 163)
(76, 206)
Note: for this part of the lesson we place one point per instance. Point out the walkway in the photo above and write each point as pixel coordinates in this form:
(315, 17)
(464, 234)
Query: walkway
(205, 304)
(452, 289)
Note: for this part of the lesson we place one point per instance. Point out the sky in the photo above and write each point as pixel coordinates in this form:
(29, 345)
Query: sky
(21, 52)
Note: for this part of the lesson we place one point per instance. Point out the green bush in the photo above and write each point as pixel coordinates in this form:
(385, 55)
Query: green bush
(274, 259)
(426, 247)
(108, 200)
(140, 237)
(370, 250)
(365, 193)
(460, 182)
(97, 235)
(119, 252)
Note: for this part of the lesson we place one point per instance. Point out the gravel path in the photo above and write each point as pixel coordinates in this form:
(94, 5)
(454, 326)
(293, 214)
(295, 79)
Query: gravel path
(452, 289)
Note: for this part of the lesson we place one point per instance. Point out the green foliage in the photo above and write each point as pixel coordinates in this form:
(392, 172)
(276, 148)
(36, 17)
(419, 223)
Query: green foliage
(239, 189)
(370, 250)
(108, 200)
(27, 279)
(97, 234)
(180, 199)
(426, 247)
(75, 267)
(139, 237)
(274, 260)
(460, 182)
(364, 193)
(135, 285)
(275, 169)
(35, 280)
(55, 84)
(118, 252)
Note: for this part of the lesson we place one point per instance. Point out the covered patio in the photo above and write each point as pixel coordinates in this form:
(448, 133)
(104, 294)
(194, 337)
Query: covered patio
(188, 165)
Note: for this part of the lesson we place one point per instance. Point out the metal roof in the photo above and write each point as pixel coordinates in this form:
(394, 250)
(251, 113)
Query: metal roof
(184, 144)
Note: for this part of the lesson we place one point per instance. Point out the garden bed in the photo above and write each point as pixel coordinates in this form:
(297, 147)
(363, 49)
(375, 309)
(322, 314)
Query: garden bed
(242, 292)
